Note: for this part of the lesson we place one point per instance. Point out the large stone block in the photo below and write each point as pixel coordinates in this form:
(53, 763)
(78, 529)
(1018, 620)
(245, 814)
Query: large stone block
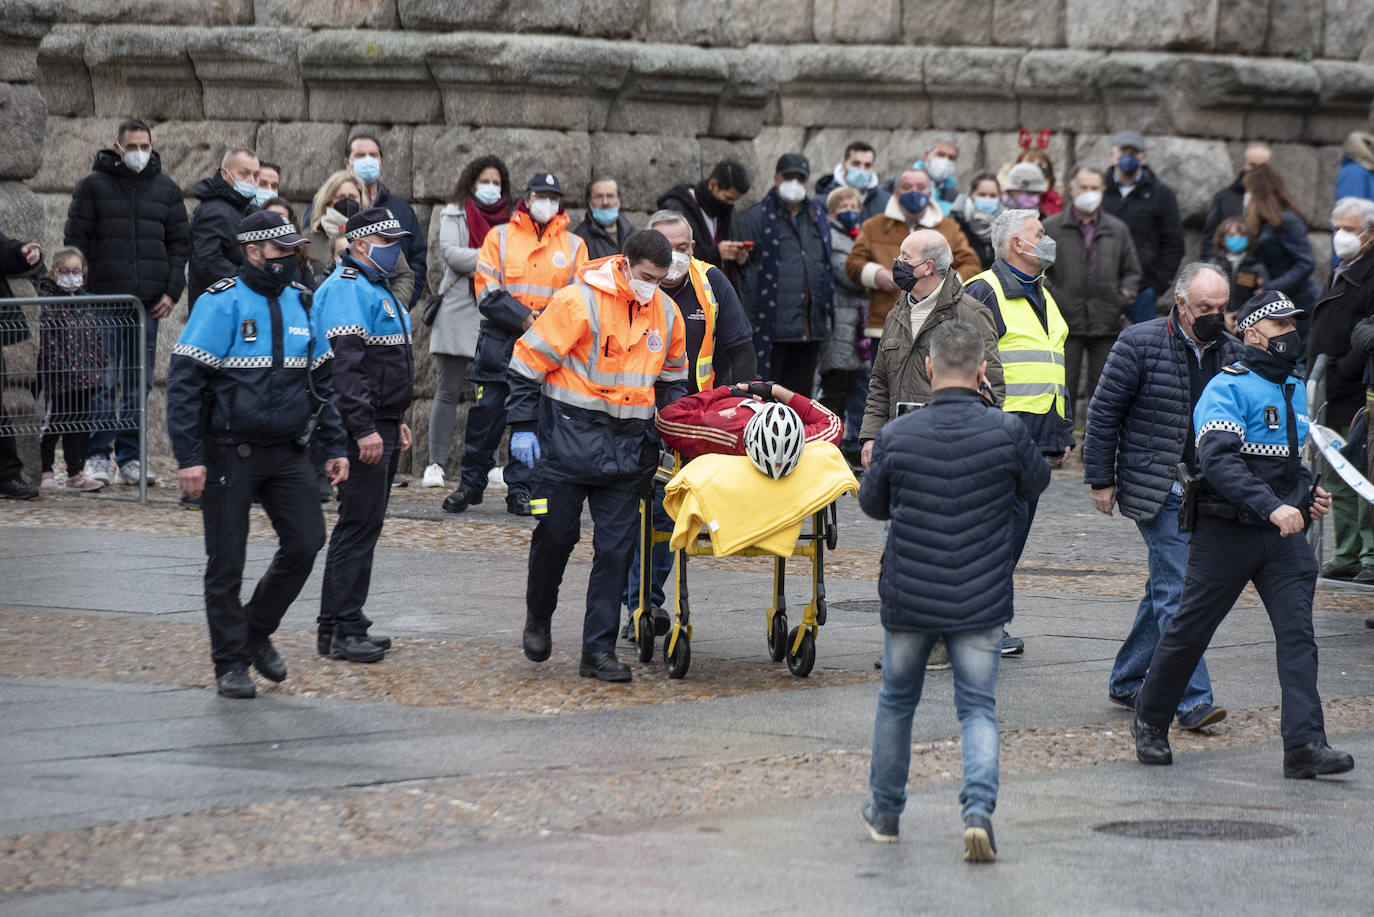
(716, 23)
(526, 151)
(162, 12)
(859, 22)
(498, 15)
(327, 14)
(771, 143)
(969, 88)
(249, 71)
(69, 147)
(669, 88)
(62, 75)
(645, 165)
(1165, 24)
(308, 152)
(25, 116)
(143, 72)
(1134, 88)
(614, 18)
(54, 221)
(868, 86)
(1328, 167)
(519, 80)
(397, 158)
(1194, 169)
(192, 150)
(1058, 90)
(1295, 29)
(1274, 95)
(750, 98)
(367, 75)
(1241, 26)
(780, 21)
(1348, 32)
(947, 22)
(1028, 23)
(21, 214)
(1347, 98)
(1000, 150)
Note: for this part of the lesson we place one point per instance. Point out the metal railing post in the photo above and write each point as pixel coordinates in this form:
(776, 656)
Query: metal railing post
(142, 405)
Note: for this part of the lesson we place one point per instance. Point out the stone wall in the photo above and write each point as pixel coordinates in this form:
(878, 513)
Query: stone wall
(656, 92)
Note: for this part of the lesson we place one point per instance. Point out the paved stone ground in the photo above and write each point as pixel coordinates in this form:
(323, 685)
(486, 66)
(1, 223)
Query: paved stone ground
(456, 777)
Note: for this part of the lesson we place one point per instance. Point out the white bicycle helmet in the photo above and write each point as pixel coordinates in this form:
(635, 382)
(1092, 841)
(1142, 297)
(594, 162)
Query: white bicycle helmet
(774, 439)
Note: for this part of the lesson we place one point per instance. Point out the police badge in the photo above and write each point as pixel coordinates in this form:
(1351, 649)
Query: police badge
(249, 329)
(1271, 416)
(388, 308)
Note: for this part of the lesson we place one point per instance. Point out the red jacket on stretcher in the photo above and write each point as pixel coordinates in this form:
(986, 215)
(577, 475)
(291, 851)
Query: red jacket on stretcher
(713, 421)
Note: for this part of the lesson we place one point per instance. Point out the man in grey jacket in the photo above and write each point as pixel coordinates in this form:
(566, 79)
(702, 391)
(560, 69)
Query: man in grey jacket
(1095, 277)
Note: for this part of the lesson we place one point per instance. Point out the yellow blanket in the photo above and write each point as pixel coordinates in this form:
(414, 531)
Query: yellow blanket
(742, 508)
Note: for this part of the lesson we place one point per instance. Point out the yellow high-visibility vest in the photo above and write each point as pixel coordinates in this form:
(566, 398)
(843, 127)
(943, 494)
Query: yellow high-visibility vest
(1032, 356)
(704, 373)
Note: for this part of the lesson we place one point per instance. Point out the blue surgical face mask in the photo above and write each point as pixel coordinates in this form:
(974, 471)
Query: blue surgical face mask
(262, 195)
(606, 216)
(368, 168)
(914, 201)
(1128, 163)
(247, 189)
(987, 204)
(849, 219)
(487, 193)
(857, 178)
(385, 257)
(1237, 244)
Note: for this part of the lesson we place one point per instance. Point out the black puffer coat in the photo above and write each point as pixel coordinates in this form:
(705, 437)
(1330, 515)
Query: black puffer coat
(948, 477)
(215, 250)
(1151, 211)
(1141, 414)
(132, 228)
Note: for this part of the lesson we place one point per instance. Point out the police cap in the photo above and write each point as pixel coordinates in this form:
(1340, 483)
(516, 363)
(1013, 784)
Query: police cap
(1265, 305)
(374, 221)
(269, 226)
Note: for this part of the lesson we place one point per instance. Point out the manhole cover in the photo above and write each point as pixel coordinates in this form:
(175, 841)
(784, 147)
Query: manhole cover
(861, 606)
(1197, 829)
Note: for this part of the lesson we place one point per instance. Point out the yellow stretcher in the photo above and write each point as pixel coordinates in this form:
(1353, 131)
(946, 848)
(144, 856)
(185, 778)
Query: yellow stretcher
(798, 646)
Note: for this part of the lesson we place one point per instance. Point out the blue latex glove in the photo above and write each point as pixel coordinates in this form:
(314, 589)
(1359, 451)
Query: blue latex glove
(524, 447)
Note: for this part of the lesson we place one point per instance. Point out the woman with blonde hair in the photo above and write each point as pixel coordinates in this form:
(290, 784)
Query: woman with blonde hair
(341, 196)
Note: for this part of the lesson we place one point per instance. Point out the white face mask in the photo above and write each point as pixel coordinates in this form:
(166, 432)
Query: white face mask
(487, 193)
(137, 160)
(792, 191)
(70, 281)
(678, 267)
(1345, 244)
(543, 210)
(939, 168)
(643, 290)
(1088, 201)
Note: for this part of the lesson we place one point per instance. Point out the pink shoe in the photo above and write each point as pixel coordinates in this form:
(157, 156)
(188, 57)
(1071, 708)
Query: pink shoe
(51, 482)
(80, 482)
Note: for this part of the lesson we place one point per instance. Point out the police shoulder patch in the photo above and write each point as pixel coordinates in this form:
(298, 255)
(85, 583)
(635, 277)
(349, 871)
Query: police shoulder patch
(348, 273)
(219, 286)
(1235, 369)
(300, 286)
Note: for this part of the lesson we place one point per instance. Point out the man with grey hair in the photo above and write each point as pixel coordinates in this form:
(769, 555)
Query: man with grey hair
(939, 162)
(225, 199)
(958, 464)
(1347, 302)
(1230, 201)
(1140, 427)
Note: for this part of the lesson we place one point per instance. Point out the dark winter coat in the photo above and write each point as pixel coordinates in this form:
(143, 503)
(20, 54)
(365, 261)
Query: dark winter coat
(1226, 203)
(1246, 274)
(1151, 211)
(679, 198)
(805, 288)
(599, 241)
(840, 351)
(948, 477)
(132, 228)
(215, 249)
(1142, 414)
(1287, 256)
(872, 201)
(1088, 282)
(1348, 301)
(71, 348)
(14, 325)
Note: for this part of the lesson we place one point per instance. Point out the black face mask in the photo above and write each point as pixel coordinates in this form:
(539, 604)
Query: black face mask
(1208, 328)
(1284, 347)
(273, 277)
(711, 205)
(347, 207)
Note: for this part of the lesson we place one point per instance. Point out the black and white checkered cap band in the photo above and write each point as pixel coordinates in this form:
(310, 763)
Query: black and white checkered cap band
(374, 228)
(273, 232)
(1263, 312)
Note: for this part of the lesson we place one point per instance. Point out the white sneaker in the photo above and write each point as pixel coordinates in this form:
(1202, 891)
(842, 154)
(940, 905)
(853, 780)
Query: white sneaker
(98, 468)
(128, 474)
(434, 476)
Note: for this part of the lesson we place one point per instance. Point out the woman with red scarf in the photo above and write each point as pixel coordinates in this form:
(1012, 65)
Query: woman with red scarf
(481, 201)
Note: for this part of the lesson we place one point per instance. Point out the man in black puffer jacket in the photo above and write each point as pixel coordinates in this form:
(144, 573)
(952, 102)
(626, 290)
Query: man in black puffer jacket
(127, 217)
(225, 199)
(948, 477)
(1139, 429)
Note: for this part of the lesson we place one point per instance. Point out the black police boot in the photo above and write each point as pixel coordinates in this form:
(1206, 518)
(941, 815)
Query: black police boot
(1315, 759)
(235, 683)
(460, 500)
(355, 648)
(324, 643)
(536, 640)
(603, 666)
(518, 504)
(382, 642)
(1151, 743)
(267, 660)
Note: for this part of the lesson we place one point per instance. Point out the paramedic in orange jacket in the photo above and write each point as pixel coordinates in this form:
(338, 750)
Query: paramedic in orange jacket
(531, 258)
(589, 375)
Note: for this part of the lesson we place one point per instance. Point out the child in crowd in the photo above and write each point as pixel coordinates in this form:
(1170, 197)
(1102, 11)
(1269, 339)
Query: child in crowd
(71, 360)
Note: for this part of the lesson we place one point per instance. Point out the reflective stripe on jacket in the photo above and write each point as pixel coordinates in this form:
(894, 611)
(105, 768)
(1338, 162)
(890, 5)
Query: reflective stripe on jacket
(527, 264)
(1032, 356)
(704, 376)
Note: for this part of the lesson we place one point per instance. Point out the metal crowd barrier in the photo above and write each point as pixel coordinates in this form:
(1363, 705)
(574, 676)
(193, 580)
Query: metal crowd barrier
(72, 342)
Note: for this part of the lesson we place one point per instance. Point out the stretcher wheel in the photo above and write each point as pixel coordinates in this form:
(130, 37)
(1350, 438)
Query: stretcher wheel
(645, 638)
(832, 527)
(801, 664)
(777, 642)
(680, 659)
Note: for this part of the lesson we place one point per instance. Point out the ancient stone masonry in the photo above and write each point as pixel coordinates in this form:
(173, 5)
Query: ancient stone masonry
(656, 92)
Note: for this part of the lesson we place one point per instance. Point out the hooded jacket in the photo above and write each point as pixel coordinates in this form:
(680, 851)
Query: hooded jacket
(215, 249)
(132, 228)
(1348, 301)
(682, 199)
(1226, 203)
(1151, 212)
(872, 200)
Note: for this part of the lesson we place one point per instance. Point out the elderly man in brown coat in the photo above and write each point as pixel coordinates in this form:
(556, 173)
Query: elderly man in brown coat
(912, 207)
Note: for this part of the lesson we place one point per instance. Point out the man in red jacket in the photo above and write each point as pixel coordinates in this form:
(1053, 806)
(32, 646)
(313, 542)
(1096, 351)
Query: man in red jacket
(713, 421)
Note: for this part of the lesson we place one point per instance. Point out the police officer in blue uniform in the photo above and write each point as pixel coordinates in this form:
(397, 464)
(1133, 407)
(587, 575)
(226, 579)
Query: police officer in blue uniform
(374, 371)
(249, 385)
(1251, 511)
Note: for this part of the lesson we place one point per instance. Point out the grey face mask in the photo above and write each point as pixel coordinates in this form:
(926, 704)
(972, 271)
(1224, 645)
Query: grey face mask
(1044, 251)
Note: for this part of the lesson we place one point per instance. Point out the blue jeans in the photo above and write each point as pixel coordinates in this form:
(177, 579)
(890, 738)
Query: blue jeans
(974, 655)
(660, 559)
(1145, 306)
(1168, 558)
(121, 348)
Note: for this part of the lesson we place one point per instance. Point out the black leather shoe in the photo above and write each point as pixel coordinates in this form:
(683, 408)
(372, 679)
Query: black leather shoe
(603, 666)
(1151, 743)
(518, 504)
(1315, 759)
(382, 642)
(18, 489)
(235, 683)
(267, 660)
(460, 500)
(1331, 571)
(1365, 577)
(355, 648)
(324, 643)
(536, 641)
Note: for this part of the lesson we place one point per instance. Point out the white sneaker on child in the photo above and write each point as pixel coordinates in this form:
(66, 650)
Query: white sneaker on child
(434, 476)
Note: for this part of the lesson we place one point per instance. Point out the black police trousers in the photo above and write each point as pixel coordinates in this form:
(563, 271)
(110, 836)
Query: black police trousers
(1223, 556)
(615, 526)
(362, 510)
(486, 424)
(282, 478)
